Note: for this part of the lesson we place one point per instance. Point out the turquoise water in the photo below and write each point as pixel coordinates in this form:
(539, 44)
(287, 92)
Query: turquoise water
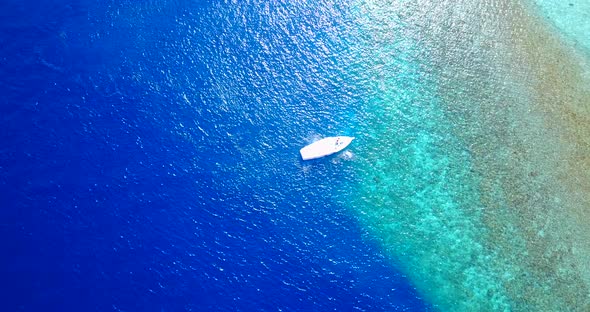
(571, 20)
(422, 197)
(461, 164)
(572, 17)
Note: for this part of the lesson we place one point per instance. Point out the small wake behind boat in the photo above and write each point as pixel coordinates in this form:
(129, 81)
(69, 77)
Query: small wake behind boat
(324, 147)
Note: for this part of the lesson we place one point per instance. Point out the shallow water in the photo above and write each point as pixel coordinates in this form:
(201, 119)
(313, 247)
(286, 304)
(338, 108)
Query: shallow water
(571, 17)
(464, 162)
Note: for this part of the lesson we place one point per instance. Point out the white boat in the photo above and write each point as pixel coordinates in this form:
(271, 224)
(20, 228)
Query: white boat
(324, 147)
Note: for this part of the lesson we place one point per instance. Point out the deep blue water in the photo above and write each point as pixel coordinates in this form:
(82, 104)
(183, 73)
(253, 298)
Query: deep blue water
(149, 160)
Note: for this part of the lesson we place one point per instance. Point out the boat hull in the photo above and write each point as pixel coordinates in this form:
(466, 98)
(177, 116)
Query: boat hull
(324, 147)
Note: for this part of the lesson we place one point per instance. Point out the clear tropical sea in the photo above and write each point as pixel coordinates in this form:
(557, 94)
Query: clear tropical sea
(149, 156)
